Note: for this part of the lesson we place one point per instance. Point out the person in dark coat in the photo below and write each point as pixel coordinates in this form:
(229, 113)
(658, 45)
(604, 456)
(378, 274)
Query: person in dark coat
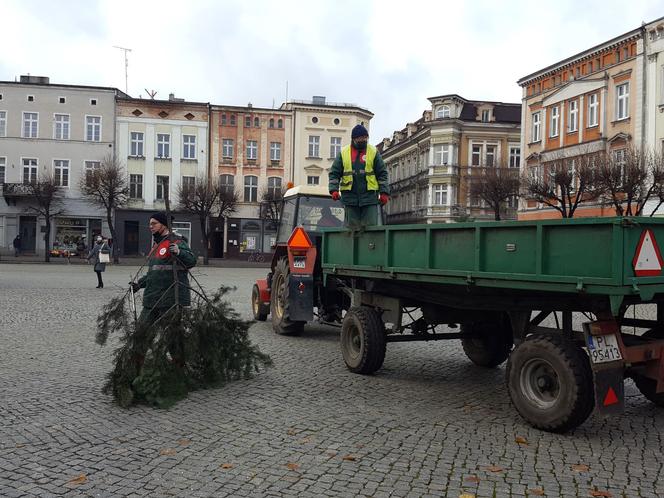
(168, 250)
(17, 245)
(359, 178)
(100, 247)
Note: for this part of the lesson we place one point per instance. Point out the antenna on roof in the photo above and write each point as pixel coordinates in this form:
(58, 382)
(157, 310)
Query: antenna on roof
(151, 93)
(126, 63)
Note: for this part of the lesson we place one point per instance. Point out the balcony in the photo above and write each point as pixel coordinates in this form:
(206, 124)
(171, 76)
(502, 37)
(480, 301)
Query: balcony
(15, 191)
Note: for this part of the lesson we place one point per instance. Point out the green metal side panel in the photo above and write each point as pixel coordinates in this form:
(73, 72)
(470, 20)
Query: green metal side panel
(592, 255)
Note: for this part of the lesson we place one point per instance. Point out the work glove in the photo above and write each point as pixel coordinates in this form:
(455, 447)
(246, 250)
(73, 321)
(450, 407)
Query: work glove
(384, 198)
(335, 195)
(174, 249)
(134, 286)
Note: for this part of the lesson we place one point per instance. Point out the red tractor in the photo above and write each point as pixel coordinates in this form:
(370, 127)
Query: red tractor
(294, 288)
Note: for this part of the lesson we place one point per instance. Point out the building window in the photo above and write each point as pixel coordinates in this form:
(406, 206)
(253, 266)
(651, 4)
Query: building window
(440, 195)
(188, 183)
(476, 155)
(232, 119)
(252, 149)
(490, 158)
(90, 168)
(274, 187)
(257, 122)
(136, 144)
(61, 172)
(226, 184)
(335, 147)
(136, 186)
(30, 124)
(555, 121)
(486, 116)
(593, 106)
(189, 146)
(3, 165)
(314, 146)
(31, 98)
(227, 147)
(314, 120)
(61, 127)
(280, 123)
(93, 128)
(93, 101)
(619, 161)
(250, 188)
(443, 112)
(182, 228)
(313, 180)
(162, 187)
(275, 151)
(3, 123)
(223, 120)
(622, 101)
(271, 123)
(535, 134)
(247, 121)
(515, 157)
(163, 145)
(29, 170)
(441, 154)
(573, 116)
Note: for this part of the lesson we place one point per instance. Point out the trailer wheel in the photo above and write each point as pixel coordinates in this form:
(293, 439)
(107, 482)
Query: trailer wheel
(646, 385)
(489, 344)
(363, 340)
(280, 303)
(259, 309)
(550, 382)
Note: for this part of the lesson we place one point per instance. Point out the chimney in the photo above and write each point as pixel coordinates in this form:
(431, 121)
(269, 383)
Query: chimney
(318, 99)
(171, 97)
(249, 105)
(38, 80)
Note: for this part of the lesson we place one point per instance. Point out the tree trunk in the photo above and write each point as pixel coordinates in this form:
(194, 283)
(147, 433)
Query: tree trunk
(204, 232)
(111, 227)
(47, 239)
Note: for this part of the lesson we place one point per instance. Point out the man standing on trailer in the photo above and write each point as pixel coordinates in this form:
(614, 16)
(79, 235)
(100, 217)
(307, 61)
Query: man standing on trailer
(359, 178)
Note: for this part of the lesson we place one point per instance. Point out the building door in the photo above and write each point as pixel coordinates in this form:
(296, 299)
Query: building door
(130, 238)
(28, 231)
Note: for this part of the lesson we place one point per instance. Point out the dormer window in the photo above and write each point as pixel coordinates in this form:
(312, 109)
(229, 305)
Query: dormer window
(486, 116)
(443, 112)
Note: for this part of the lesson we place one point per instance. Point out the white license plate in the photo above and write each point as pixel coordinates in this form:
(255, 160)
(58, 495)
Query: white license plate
(604, 348)
(299, 262)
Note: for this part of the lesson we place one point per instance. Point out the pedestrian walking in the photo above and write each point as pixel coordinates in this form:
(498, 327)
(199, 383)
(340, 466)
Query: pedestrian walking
(359, 178)
(100, 255)
(17, 245)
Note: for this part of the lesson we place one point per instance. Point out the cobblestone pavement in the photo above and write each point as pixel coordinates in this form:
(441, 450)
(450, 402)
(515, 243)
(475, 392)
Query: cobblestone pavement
(428, 423)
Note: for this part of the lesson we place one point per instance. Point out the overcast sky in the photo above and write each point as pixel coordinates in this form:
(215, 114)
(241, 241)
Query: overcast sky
(387, 56)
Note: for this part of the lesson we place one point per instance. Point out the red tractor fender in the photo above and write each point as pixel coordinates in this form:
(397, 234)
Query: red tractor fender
(263, 291)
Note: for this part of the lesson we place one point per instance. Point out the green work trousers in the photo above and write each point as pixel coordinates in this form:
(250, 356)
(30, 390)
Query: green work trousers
(361, 216)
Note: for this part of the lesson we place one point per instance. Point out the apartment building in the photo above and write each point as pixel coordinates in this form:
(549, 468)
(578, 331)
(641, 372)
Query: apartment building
(591, 102)
(319, 131)
(64, 130)
(433, 161)
(164, 145)
(251, 152)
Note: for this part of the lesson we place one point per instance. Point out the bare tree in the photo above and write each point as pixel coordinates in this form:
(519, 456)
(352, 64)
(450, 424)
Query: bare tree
(629, 178)
(107, 188)
(48, 196)
(495, 186)
(201, 200)
(563, 183)
(271, 204)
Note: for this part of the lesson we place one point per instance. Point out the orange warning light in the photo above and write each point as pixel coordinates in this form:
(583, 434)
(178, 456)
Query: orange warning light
(289, 185)
(610, 398)
(299, 239)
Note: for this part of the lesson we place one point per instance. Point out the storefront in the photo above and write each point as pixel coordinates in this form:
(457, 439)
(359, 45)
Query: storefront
(248, 236)
(75, 234)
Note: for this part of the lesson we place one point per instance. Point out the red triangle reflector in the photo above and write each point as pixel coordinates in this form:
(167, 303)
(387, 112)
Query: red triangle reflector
(610, 398)
(299, 239)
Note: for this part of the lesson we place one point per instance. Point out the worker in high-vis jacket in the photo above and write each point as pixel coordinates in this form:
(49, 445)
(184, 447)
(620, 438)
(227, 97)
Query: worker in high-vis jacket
(359, 178)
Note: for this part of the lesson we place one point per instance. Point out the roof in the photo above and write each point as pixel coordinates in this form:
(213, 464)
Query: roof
(307, 190)
(64, 85)
(160, 101)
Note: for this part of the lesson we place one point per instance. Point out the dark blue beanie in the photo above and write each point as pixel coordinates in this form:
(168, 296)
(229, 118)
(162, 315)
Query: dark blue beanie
(359, 131)
(160, 217)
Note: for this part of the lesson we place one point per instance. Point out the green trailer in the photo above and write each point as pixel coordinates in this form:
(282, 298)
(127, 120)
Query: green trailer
(495, 283)
(507, 290)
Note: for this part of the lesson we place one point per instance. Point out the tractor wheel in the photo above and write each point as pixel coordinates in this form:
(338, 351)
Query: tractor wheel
(260, 310)
(363, 340)
(279, 301)
(646, 385)
(488, 343)
(550, 382)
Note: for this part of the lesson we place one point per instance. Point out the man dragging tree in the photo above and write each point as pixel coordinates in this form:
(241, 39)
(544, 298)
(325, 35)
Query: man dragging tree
(168, 250)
